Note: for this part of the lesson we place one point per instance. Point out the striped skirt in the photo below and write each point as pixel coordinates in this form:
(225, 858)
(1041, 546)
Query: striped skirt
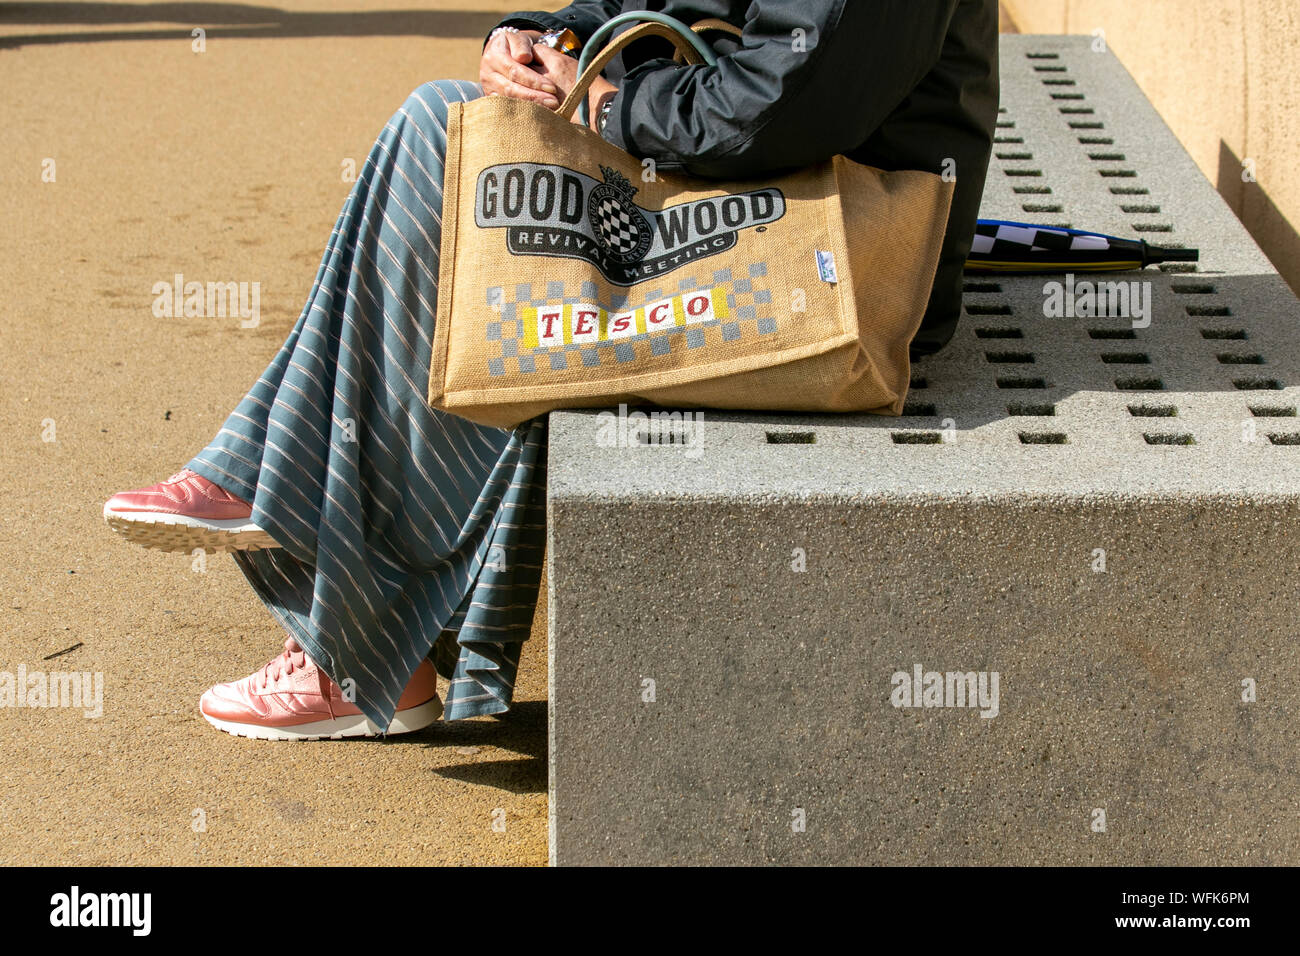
(405, 532)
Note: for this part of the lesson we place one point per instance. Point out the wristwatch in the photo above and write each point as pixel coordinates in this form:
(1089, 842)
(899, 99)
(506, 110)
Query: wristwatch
(603, 116)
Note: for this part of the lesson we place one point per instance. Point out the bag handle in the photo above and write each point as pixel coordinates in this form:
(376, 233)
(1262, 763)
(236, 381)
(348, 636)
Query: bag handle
(650, 24)
(712, 23)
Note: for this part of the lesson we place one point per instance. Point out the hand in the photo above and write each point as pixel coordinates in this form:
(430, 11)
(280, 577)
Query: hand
(506, 70)
(562, 70)
(559, 69)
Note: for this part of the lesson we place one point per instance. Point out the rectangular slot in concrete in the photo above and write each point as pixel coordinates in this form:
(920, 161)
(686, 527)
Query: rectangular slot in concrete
(1021, 381)
(1108, 334)
(1139, 384)
(1256, 384)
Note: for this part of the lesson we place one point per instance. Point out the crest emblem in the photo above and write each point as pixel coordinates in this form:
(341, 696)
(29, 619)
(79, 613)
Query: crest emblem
(616, 221)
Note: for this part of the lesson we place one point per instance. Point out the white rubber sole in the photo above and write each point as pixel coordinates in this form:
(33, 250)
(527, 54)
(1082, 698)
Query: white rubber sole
(166, 532)
(404, 722)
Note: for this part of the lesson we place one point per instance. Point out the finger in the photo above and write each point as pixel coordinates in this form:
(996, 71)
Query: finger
(507, 87)
(514, 90)
(520, 47)
(491, 79)
(527, 76)
(495, 52)
(498, 84)
(554, 64)
(551, 59)
(516, 72)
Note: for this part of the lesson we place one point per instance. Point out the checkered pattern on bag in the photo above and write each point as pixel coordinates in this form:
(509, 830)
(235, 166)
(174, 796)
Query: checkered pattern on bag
(617, 227)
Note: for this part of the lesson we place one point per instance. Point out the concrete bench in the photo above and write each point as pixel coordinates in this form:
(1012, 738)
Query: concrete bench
(742, 641)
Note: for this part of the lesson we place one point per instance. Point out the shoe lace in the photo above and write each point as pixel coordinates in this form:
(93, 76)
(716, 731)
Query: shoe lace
(292, 658)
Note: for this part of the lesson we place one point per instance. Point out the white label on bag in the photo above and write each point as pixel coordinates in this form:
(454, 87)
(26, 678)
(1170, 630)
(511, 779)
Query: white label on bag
(550, 326)
(660, 315)
(826, 266)
(621, 325)
(698, 307)
(586, 323)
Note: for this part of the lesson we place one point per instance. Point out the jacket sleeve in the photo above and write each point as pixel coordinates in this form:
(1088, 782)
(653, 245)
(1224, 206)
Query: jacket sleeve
(810, 80)
(583, 17)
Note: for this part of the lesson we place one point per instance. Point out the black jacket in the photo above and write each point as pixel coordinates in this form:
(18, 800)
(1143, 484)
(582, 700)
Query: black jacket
(897, 84)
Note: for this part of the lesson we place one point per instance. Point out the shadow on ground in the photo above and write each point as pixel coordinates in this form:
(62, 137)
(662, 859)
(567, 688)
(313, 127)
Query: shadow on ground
(1254, 206)
(230, 20)
(521, 731)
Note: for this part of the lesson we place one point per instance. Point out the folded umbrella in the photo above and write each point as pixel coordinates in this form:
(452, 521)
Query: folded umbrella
(1002, 246)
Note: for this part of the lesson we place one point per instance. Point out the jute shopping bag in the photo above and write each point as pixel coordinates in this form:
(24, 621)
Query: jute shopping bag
(572, 275)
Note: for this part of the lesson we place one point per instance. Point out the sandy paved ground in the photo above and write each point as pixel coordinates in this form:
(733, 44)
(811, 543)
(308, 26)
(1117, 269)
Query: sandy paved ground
(220, 165)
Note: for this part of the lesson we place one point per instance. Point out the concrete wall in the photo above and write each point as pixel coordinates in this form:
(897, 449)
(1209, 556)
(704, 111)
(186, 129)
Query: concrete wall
(1223, 76)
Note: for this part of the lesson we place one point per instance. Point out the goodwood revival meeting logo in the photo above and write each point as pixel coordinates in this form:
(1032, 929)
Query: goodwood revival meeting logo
(550, 210)
(618, 224)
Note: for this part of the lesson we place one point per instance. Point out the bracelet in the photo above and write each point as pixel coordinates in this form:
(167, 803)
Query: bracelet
(492, 35)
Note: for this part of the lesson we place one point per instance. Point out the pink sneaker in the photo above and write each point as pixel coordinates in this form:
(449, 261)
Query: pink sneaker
(183, 513)
(292, 699)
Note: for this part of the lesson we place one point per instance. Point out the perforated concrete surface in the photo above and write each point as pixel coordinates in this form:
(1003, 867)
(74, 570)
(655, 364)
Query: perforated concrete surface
(1023, 402)
(964, 536)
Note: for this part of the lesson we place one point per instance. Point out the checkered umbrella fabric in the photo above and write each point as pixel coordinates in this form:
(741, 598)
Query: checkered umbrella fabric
(1002, 246)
